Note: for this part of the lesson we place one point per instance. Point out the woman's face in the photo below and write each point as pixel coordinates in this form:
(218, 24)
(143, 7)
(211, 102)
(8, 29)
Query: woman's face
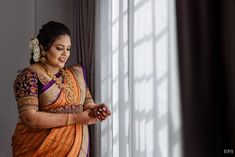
(59, 52)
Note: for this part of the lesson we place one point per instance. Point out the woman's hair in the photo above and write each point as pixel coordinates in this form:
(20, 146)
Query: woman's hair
(49, 33)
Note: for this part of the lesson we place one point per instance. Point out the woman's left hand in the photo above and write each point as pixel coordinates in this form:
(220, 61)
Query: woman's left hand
(100, 111)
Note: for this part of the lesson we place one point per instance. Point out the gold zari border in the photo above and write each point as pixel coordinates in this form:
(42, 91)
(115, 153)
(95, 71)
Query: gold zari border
(29, 100)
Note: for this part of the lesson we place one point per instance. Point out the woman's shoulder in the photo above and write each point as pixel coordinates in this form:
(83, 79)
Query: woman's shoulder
(35, 67)
(77, 67)
(32, 71)
(78, 73)
(25, 76)
(27, 71)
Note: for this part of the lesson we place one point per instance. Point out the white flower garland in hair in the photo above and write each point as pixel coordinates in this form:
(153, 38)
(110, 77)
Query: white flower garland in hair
(34, 46)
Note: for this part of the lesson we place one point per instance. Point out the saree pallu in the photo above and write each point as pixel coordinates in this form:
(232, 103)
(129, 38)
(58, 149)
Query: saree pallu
(71, 140)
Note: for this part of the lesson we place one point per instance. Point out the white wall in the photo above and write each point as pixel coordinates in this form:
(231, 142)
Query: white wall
(20, 21)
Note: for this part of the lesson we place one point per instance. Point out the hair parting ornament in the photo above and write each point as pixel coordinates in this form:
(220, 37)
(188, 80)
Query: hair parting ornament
(35, 49)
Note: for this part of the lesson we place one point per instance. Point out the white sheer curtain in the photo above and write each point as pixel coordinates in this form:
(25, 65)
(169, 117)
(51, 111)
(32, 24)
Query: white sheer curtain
(137, 77)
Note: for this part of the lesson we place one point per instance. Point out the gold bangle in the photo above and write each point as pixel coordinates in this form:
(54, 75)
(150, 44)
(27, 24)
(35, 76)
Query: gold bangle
(68, 120)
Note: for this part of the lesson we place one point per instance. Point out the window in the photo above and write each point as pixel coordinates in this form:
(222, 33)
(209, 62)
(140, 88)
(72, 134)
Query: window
(137, 78)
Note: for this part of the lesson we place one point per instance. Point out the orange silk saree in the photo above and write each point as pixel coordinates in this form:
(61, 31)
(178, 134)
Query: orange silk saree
(71, 140)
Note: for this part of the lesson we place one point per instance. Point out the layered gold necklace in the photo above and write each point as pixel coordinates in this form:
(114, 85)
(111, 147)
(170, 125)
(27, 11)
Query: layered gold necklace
(65, 84)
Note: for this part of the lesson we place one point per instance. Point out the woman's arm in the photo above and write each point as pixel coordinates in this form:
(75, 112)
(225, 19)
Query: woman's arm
(44, 120)
(99, 111)
(88, 106)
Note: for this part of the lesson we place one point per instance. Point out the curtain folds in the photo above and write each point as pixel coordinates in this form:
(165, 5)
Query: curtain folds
(206, 53)
(84, 37)
(83, 49)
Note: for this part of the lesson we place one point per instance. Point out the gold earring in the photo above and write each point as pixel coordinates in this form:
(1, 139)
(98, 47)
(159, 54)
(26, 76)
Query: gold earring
(43, 57)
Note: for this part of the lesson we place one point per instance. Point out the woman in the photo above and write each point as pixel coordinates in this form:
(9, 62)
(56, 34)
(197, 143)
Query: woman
(54, 103)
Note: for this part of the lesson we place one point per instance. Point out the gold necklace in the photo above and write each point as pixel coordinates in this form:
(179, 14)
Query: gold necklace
(67, 86)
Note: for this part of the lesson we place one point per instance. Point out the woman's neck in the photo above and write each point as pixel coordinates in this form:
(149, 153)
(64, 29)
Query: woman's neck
(51, 68)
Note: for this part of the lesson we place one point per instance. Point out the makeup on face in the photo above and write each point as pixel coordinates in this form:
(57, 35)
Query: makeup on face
(59, 52)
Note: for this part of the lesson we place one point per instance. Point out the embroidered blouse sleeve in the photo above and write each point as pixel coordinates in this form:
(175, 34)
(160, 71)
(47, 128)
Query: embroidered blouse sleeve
(26, 90)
